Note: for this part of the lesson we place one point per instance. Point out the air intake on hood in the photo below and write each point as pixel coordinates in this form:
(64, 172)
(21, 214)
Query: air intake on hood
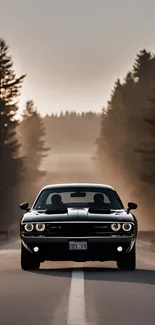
(56, 211)
(99, 211)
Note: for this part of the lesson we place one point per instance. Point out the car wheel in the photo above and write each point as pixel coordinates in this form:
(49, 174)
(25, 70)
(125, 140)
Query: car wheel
(28, 260)
(128, 261)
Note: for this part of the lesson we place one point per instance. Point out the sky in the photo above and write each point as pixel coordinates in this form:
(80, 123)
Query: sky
(72, 51)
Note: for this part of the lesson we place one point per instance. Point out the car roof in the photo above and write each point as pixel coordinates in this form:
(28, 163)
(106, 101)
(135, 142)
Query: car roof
(90, 185)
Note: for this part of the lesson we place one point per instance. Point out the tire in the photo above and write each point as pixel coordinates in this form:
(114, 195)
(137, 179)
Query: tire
(28, 260)
(128, 261)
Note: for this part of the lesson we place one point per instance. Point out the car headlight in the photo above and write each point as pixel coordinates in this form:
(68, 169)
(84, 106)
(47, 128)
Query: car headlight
(115, 226)
(29, 227)
(127, 226)
(40, 226)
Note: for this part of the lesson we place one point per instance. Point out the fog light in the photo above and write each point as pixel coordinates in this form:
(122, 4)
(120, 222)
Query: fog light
(119, 248)
(36, 249)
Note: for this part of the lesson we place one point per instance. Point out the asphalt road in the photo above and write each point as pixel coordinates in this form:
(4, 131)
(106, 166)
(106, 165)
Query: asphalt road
(67, 293)
(76, 293)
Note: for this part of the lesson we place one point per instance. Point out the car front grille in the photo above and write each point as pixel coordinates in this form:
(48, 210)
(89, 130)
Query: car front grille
(82, 230)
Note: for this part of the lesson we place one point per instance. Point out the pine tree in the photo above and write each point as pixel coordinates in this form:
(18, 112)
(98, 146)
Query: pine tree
(147, 148)
(142, 63)
(111, 121)
(32, 133)
(9, 84)
(10, 162)
(144, 71)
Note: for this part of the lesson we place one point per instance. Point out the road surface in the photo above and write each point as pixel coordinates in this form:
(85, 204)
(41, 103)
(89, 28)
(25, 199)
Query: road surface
(67, 293)
(76, 293)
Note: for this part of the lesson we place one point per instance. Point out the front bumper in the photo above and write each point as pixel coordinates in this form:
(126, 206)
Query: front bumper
(98, 248)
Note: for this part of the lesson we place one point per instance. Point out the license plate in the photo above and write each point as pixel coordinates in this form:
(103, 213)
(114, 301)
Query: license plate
(77, 246)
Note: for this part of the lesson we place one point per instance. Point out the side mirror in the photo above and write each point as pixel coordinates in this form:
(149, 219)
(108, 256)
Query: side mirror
(24, 206)
(131, 206)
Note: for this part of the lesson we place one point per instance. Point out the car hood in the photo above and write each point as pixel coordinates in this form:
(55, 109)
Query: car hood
(74, 214)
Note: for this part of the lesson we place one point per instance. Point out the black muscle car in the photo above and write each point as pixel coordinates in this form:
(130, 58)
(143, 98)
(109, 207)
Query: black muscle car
(78, 222)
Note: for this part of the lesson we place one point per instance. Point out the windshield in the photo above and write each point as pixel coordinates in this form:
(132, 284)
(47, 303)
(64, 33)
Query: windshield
(78, 197)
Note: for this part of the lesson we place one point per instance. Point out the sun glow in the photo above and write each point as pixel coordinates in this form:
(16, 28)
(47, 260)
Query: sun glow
(21, 104)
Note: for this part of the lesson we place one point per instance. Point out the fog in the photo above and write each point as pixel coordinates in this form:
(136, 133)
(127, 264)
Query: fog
(74, 157)
(114, 147)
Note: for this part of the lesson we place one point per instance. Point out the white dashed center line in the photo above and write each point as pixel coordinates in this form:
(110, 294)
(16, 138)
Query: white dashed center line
(76, 304)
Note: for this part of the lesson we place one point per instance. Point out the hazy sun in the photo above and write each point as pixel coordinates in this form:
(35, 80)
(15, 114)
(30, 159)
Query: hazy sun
(21, 104)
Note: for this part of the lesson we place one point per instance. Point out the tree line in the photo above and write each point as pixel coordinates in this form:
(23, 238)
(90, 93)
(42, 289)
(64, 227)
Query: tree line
(126, 145)
(22, 146)
(72, 131)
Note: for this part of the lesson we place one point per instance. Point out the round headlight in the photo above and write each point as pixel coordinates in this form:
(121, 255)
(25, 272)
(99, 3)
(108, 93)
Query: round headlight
(40, 226)
(126, 226)
(28, 227)
(115, 226)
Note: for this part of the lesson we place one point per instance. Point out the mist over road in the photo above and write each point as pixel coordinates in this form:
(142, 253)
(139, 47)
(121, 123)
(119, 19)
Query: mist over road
(76, 166)
(71, 167)
(75, 293)
(73, 162)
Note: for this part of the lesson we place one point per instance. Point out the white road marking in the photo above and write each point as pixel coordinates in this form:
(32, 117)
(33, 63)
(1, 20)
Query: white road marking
(76, 304)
